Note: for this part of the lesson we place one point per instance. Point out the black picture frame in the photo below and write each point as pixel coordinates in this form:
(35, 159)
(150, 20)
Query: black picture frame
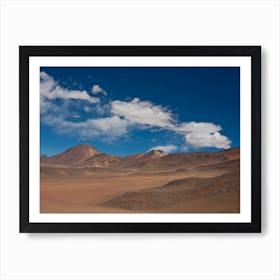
(254, 52)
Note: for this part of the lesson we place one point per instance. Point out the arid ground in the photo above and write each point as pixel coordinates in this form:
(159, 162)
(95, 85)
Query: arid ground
(83, 180)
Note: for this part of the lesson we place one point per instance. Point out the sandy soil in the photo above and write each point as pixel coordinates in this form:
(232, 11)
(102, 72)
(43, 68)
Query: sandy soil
(102, 190)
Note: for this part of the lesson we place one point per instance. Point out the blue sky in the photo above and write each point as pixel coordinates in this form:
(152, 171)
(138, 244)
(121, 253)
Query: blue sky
(129, 110)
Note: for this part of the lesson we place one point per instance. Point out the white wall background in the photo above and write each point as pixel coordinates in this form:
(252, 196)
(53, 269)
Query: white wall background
(139, 256)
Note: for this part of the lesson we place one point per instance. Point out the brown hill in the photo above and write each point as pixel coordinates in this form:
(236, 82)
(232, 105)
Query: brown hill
(83, 180)
(195, 159)
(100, 160)
(73, 156)
(178, 191)
(85, 155)
(140, 160)
(155, 159)
(130, 160)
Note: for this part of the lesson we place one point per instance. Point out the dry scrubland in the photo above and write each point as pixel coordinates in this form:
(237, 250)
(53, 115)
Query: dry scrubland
(83, 180)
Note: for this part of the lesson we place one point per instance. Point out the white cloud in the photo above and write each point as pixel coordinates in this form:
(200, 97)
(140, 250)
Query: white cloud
(97, 89)
(197, 134)
(216, 140)
(200, 127)
(50, 89)
(203, 134)
(166, 149)
(45, 105)
(143, 113)
(120, 117)
(57, 116)
(109, 128)
(112, 126)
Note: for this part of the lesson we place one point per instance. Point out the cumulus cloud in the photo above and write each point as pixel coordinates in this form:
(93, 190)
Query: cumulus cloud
(72, 106)
(109, 128)
(50, 89)
(166, 149)
(203, 134)
(74, 115)
(202, 127)
(97, 89)
(215, 139)
(113, 126)
(143, 113)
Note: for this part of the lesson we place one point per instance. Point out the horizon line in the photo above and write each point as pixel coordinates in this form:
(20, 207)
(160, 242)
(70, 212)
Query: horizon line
(220, 150)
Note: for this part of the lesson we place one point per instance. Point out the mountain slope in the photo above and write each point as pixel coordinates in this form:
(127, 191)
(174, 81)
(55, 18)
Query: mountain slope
(85, 155)
(100, 160)
(139, 160)
(72, 156)
(195, 159)
(177, 191)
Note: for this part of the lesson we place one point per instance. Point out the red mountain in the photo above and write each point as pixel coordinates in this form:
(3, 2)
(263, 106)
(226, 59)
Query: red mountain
(100, 160)
(140, 159)
(85, 155)
(73, 156)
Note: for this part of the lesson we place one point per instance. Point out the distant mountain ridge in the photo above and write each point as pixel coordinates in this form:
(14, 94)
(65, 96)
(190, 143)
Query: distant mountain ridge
(74, 155)
(85, 155)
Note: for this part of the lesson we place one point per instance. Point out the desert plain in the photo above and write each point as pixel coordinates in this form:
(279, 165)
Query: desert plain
(84, 180)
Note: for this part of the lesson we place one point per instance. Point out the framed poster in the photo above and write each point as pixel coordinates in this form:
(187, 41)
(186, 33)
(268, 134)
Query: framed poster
(140, 138)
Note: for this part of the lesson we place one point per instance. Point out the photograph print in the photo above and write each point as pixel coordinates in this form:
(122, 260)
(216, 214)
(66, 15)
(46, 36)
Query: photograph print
(140, 139)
